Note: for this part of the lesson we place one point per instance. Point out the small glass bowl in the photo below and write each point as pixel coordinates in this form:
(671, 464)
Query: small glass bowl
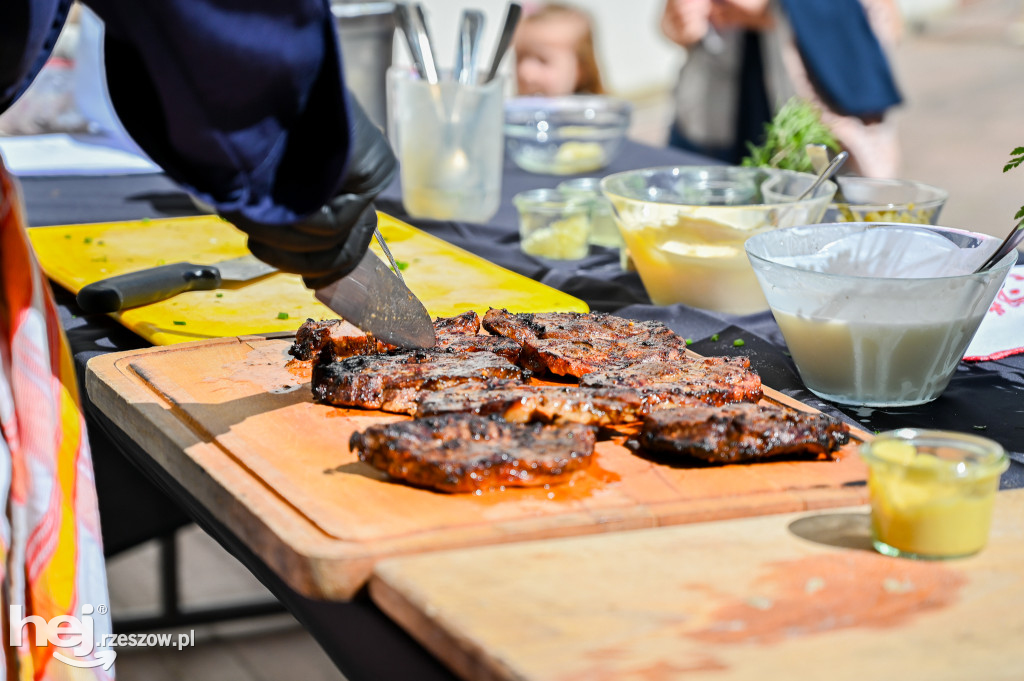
(604, 230)
(870, 199)
(565, 135)
(932, 492)
(553, 225)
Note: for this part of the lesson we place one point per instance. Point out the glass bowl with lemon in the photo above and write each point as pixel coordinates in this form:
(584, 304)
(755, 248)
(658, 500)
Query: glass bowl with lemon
(567, 135)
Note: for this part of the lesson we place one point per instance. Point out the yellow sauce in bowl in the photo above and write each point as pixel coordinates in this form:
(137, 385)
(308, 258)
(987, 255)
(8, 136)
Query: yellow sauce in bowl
(932, 492)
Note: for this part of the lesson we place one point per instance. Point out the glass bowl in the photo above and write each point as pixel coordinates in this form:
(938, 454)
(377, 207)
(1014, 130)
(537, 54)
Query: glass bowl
(684, 228)
(932, 491)
(565, 135)
(877, 314)
(871, 199)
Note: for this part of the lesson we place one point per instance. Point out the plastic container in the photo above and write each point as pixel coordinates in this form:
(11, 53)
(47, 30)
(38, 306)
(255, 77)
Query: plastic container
(932, 492)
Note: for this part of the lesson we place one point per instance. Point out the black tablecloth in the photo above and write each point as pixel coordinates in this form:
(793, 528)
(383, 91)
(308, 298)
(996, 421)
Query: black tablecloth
(986, 397)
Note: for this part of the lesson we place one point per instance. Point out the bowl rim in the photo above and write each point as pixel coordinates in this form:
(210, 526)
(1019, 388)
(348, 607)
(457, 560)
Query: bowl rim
(995, 463)
(1008, 261)
(940, 195)
(607, 180)
(562, 103)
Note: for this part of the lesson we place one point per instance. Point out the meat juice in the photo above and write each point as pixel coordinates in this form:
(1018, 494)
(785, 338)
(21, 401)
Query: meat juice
(698, 262)
(891, 363)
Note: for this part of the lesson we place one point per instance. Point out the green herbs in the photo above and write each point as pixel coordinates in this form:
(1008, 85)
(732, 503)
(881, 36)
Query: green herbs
(739, 343)
(401, 264)
(1016, 158)
(282, 315)
(178, 322)
(797, 124)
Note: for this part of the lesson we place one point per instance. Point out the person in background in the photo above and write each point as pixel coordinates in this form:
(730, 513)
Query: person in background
(746, 58)
(554, 46)
(243, 103)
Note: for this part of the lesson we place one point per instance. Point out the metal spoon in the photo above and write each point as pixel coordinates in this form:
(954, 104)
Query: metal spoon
(515, 10)
(825, 174)
(470, 33)
(819, 156)
(1009, 243)
(403, 17)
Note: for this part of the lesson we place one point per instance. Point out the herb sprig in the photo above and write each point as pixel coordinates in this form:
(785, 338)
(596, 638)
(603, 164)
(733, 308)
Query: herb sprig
(794, 126)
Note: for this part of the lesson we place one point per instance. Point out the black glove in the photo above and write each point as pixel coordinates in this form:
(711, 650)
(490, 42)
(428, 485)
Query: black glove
(329, 244)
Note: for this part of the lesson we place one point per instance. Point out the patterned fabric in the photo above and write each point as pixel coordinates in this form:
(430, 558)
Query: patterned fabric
(51, 555)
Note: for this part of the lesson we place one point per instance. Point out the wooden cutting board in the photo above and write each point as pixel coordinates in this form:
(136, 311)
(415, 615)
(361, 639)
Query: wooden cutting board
(766, 599)
(446, 278)
(238, 426)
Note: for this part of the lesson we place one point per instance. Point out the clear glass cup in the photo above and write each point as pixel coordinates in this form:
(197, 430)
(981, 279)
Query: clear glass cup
(553, 225)
(450, 146)
(604, 230)
(932, 492)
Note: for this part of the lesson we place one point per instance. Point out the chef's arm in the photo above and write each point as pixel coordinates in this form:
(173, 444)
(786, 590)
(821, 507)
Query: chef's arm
(243, 103)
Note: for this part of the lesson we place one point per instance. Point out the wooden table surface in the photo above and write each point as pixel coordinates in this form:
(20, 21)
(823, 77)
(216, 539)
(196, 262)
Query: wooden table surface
(775, 598)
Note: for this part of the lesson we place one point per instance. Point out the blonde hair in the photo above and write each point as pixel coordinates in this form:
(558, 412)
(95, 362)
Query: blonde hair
(586, 56)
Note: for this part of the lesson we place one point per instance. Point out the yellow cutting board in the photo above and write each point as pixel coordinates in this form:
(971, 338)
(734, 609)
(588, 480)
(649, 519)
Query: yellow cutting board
(448, 279)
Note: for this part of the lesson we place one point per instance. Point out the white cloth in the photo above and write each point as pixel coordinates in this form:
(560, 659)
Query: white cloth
(1001, 333)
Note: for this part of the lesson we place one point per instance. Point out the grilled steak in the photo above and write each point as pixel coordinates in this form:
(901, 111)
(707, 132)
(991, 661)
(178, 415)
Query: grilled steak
(391, 382)
(712, 380)
(575, 344)
(548, 404)
(465, 452)
(346, 340)
(740, 432)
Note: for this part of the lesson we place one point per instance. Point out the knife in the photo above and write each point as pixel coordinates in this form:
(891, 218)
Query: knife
(154, 284)
(377, 301)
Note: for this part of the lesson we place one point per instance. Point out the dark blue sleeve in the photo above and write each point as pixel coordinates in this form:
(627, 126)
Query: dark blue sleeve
(842, 55)
(28, 32)
(240, 101)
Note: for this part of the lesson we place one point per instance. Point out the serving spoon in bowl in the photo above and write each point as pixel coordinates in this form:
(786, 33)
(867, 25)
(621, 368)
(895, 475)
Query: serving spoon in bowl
(1009, 243)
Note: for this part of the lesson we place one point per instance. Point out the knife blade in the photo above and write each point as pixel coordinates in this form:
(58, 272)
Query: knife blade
(373, 298)
(154, 284)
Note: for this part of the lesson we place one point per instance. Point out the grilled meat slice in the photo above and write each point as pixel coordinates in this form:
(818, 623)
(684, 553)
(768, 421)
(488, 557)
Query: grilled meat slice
(346, 340)
(466, 452)
(740, 432)
(548, 404)
(391, 382)
(463, 324)
(575, 344)
(503, 347)
(712, 380)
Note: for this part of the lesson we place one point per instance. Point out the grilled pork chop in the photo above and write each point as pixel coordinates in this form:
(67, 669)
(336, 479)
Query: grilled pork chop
(712, 380)
(740, 432)
(549, 404)
(391, 381)
(466, 452)
(346, 340)
(575, 344)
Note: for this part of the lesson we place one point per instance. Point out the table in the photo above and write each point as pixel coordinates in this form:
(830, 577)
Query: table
(363, 642)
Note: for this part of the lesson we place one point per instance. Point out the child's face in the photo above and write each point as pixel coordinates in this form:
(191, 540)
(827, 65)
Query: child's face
(546, 62)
